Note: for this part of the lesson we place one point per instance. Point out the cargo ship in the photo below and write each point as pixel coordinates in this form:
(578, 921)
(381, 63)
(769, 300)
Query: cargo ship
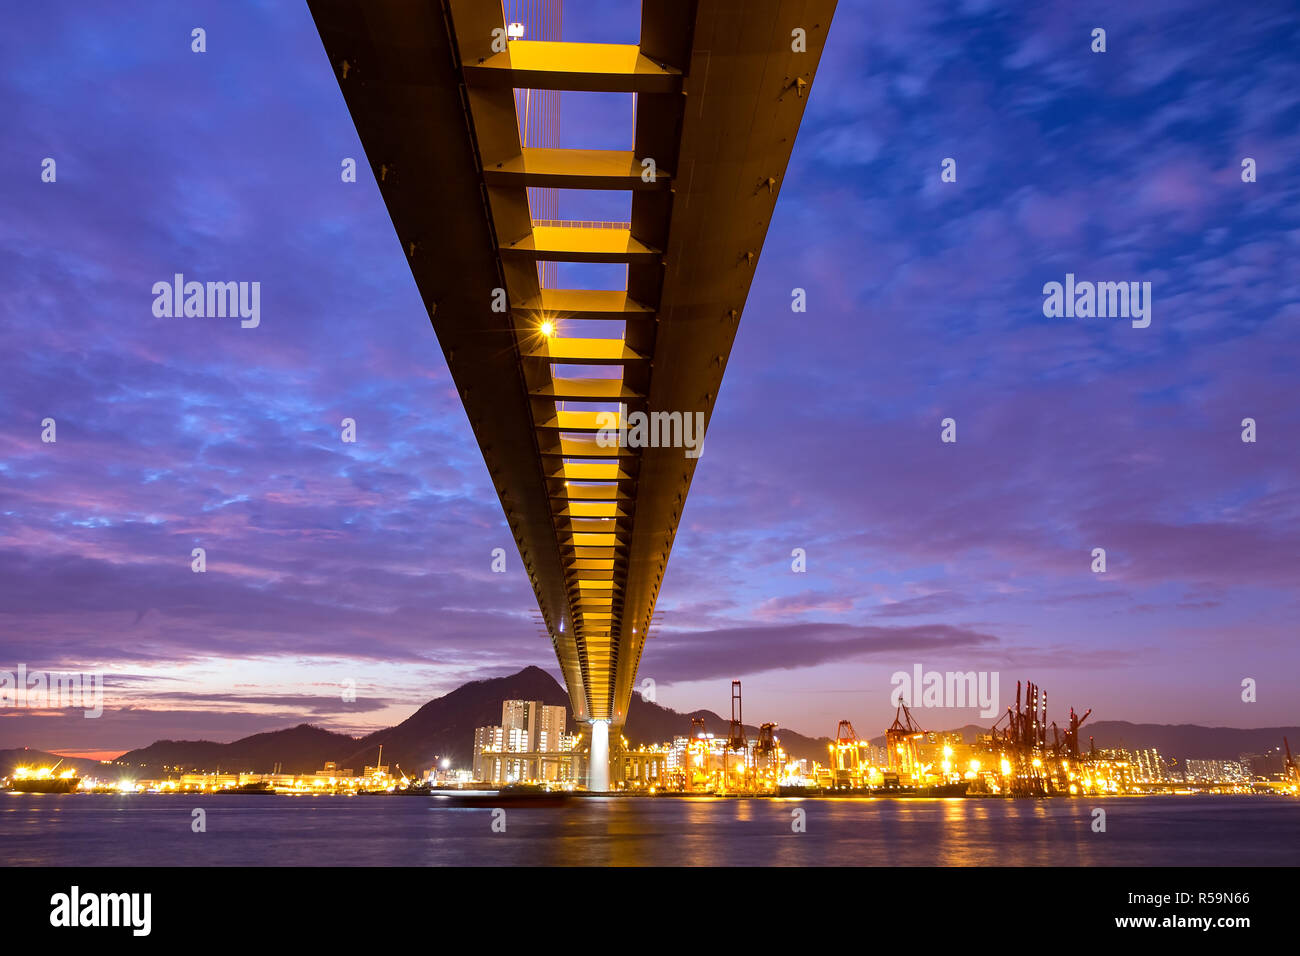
(44, 780)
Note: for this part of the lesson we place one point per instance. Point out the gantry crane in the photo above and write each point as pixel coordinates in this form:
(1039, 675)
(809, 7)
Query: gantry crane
(767, 757)
(736, 742)
(846, 761)
(696, 774)
(900, 742)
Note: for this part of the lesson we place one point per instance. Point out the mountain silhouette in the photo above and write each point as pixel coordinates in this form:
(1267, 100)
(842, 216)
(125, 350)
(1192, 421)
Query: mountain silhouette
(441, 729)
(444, 727)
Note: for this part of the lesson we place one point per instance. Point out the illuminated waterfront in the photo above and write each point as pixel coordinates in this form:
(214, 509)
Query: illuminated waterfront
(531, 749)
(96, 830)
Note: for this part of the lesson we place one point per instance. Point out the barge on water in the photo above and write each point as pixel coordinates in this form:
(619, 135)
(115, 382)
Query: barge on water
(520, 796)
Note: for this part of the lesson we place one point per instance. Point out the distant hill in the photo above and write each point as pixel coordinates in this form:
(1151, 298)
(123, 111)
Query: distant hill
(444, 729)
(1187, 740)
(300, 749)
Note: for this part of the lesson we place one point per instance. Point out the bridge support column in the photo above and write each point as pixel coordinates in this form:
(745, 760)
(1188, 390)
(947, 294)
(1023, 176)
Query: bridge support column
(598, 759)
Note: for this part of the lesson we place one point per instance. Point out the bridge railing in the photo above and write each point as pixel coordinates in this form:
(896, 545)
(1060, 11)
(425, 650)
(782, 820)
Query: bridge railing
(579, 224)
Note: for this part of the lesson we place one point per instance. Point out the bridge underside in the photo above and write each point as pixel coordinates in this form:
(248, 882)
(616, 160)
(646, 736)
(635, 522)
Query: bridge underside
(720, 91)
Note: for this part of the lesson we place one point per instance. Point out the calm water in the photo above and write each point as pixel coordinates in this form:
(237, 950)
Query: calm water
(144, 829)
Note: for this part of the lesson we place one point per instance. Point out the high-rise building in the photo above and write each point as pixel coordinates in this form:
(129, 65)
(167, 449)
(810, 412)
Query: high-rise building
(552, 724)
(528, 728)
(1217, 771)
(488, 741)
(531, 726)
(1149, 767)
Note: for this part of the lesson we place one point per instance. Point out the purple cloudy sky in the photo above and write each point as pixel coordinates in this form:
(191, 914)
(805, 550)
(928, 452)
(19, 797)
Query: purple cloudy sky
(370, 562)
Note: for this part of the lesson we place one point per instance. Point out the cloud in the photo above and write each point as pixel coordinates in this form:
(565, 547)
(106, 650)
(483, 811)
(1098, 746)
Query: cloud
(700, 655)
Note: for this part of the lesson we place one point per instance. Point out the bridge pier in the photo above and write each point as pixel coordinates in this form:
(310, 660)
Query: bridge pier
(598, 759)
